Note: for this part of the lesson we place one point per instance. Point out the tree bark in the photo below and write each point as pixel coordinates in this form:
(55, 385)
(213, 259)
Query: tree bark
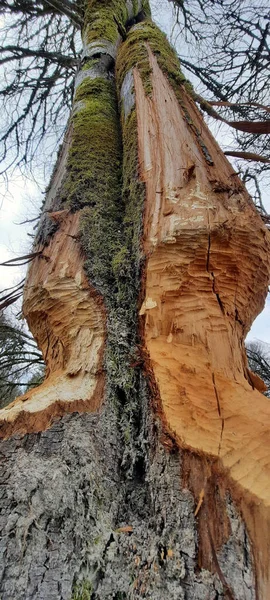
(140, 467)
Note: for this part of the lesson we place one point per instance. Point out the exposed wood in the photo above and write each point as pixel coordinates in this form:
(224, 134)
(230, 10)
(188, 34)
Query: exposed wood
(206, 279)
(67, 318)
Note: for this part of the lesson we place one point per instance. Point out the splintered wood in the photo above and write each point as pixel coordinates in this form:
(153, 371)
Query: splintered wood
(206, 279)
(67, 318)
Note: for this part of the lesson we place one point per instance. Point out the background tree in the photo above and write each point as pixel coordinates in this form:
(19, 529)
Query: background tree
(139, 467)
(258, 358)
(19, 356)
(9, 387)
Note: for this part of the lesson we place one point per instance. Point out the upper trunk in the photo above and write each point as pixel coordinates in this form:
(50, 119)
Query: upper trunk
(154, 264)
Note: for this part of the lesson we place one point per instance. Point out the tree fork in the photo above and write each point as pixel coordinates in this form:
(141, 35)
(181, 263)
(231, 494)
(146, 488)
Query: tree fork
(156, 484)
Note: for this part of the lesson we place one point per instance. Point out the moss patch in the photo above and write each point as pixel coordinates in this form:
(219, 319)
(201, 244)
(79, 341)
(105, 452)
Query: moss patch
(126, 261)
(127, 268)
(146, 8)
(94, 159)
(133, 52)
(101, 18)
(94, 176)
(105, 184)
(135, 5)
(82, 591)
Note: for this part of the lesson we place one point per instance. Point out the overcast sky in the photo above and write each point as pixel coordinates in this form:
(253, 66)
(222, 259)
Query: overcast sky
(23, 199)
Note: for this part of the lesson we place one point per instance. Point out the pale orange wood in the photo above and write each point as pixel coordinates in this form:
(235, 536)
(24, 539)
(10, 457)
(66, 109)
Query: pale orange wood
(67, 318)
(206, 274)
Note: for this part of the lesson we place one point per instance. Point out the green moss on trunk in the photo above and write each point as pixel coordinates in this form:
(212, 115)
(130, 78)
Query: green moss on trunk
(94, 160)
(103, 181)
(101, 19)
(94, 180)
(82, 591)
(133, 53)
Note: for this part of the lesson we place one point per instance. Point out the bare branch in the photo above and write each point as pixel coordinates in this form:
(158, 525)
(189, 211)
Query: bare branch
(66, 8)
(248, 156)
(21, 260)
(239, 104)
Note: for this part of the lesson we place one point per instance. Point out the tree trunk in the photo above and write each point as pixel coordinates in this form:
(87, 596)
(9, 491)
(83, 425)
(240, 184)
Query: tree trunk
(139, 468)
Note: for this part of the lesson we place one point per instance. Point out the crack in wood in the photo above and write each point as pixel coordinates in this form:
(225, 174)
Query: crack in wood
(219, 412)
(212, 275)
